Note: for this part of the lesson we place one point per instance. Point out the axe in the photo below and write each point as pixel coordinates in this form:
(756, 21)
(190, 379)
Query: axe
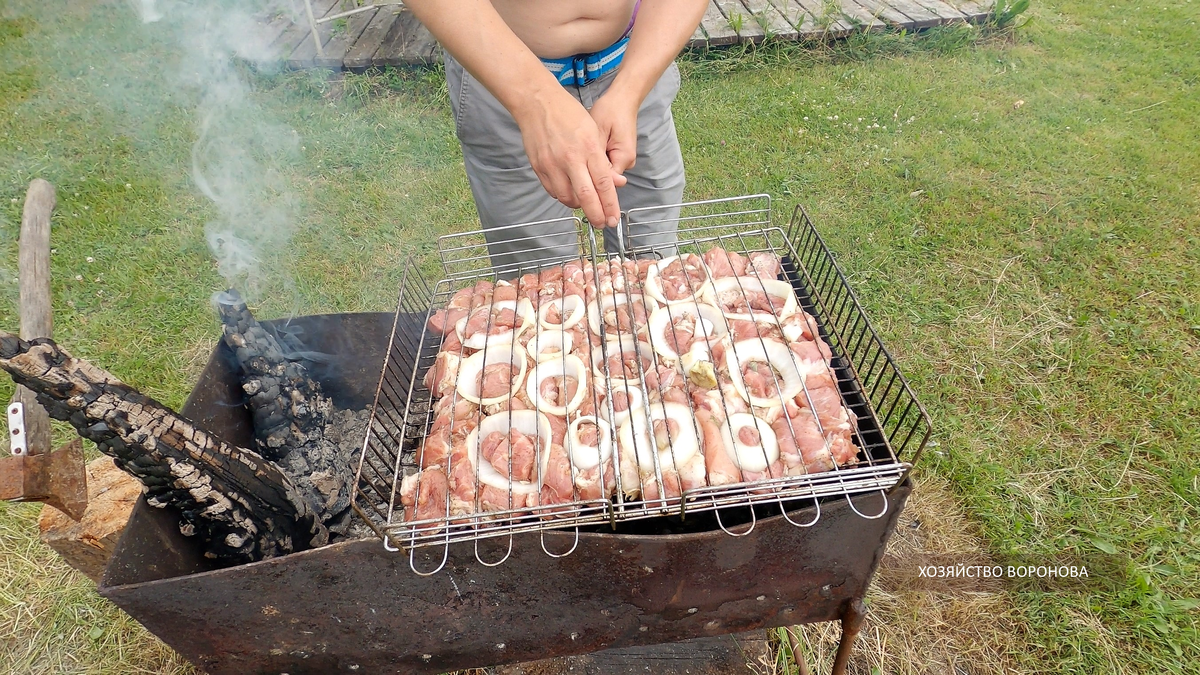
(32, 471)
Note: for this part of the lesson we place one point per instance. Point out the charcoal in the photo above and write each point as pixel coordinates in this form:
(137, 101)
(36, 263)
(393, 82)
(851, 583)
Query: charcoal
(295, 423)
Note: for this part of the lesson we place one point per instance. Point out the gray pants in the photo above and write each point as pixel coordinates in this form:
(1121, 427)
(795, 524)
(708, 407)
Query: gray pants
(508, 193)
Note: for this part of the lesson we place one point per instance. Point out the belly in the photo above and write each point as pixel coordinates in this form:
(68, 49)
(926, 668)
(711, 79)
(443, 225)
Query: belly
(558, 28)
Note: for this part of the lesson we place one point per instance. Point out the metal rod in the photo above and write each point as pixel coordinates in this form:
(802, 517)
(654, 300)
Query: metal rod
(312, 24)
(352, 12)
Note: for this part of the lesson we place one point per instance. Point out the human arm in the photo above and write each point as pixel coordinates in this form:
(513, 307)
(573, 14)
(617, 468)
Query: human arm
(562, 141)
(663, 27)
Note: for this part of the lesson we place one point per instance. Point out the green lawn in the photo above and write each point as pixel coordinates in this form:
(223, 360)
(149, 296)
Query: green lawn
(1023, 226)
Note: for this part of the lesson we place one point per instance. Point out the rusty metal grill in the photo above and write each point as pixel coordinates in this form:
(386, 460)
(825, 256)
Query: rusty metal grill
(889, 426)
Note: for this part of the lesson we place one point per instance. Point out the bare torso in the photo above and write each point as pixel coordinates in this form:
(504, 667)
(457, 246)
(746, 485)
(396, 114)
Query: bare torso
(558, 28)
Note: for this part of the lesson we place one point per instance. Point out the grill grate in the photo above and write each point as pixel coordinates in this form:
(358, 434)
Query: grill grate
(887, 421)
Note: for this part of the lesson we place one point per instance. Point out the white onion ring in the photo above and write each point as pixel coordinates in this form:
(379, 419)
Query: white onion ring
(573, 304)
(568, 366)
(790, 377)
(529, 422)
(635, 436)
(626, 345)
(596, 309)
(782, 294)
(662, 320)
(584, 456)
(550, 344)
(633, 395)
(749, 457)
(654, 287)
(473, 365)
(523, 308)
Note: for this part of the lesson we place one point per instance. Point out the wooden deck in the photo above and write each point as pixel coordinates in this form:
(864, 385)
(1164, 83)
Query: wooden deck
(389, 35)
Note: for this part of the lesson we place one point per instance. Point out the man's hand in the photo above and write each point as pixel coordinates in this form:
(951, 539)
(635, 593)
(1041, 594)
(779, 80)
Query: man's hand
(567, 152)
(616, 119)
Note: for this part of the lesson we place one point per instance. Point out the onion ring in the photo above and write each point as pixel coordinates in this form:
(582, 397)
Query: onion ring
(529, 422)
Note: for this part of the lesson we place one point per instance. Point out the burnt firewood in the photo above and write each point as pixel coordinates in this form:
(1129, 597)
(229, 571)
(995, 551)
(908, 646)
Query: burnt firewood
(295, 423)
(288, 406)
(242, 506)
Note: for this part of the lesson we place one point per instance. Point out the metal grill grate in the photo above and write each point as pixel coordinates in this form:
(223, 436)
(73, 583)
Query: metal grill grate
(887, 422)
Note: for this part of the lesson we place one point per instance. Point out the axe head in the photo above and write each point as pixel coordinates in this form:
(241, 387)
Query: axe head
(57, 478)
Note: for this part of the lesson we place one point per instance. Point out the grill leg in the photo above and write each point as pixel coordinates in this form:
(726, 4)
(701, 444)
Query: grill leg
(852, 620)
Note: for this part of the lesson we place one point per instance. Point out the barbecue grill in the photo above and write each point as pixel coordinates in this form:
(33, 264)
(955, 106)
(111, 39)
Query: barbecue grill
(601, 575)
(887, 420)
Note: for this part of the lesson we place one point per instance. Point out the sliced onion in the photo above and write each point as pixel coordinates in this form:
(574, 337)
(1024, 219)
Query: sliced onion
(750, 457)
(635, 436)
(782, 294)
(789, 379)
(571, 308)
(529, 422)
(633, 395)
(568, 366)
(654, 282)
(473, 365)
(626, 345)
(523, 309)
(710, 324)
(550, 344)
(800, 326)
(596, 310)
(585, 456)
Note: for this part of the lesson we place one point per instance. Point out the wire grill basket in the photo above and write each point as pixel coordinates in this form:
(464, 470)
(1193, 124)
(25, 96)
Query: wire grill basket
(889, 426)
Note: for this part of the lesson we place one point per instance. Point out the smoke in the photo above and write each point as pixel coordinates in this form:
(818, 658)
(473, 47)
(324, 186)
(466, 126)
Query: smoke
(147, 10)
(241, 155)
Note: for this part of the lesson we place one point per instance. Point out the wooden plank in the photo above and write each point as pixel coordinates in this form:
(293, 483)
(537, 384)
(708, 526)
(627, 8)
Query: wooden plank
(274, 26)
(831, 24)
(884, 11)
(360, 55)
(918, 16)
(741, 654)
(699, 39)
(976, 11)
(856, 15)
(408, 42)
(944, 10)
(340, 42)
(291, 39)
(740, 20)
(305, 53)
(773, 23)
(717, 27)
(799, 17)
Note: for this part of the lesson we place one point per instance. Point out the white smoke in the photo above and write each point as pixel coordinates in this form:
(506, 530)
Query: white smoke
(240, 156)
(147, 10)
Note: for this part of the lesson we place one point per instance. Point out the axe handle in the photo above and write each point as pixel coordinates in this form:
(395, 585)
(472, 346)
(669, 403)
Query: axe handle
(36, 316)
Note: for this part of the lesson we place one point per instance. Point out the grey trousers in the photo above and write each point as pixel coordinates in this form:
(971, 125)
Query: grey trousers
(508, 193)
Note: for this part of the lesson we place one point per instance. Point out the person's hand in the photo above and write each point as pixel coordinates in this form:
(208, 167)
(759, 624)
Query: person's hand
(567, 153)
(616, 119)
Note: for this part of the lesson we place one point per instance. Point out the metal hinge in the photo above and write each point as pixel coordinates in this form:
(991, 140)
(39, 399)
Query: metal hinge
(16, 428)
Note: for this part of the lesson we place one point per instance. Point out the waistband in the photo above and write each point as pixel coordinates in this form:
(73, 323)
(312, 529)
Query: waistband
(583, 69)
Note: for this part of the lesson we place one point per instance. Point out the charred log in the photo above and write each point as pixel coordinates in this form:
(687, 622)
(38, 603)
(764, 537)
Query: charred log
(295, 423)
(288, 406)
(243, 506)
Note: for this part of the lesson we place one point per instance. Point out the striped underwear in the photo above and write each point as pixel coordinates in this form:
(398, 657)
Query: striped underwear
(583, 69)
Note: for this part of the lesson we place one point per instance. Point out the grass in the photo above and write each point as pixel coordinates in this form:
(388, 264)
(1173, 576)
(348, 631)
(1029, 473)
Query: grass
(1016, 210)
